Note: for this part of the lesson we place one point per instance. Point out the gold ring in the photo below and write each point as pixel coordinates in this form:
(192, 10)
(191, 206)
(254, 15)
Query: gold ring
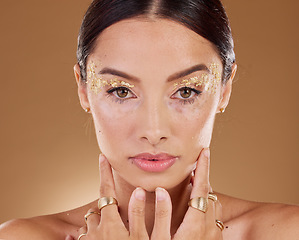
(199, 203)
(213, 197)
(82, 235)
(105, 201)
(88, 214)
(220, 224)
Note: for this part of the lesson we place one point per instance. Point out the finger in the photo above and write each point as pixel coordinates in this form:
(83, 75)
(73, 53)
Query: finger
(163, 211)
(201, 183)
(136, 215)
(210, 215)
(218, 212)
(201, 187)
(107, 189)
(92, 218)
(82, 230)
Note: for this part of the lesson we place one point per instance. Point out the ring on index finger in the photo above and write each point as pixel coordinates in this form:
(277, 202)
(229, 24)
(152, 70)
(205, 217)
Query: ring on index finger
(199, 203)
(212, 197)
(105, 201)
(220, 224)
(88, 214)
(82, 235)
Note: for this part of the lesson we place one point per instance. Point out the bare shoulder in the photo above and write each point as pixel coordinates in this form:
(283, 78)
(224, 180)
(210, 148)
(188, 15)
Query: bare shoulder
(26, 229)
(49, 227)
(253, 220)
(275, 221)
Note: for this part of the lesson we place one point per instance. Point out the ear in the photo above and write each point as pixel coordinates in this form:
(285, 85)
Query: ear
(82, 91)
(226, 90)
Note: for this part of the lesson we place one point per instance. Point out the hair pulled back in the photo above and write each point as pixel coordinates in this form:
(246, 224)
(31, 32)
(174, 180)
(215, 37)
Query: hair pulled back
(205, 17)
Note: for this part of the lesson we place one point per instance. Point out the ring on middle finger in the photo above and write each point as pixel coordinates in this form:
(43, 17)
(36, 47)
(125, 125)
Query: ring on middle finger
(105, 201)
(199, 203)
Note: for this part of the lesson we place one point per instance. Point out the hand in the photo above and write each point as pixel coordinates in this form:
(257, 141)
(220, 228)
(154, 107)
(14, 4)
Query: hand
(196, 224)
(109, 225)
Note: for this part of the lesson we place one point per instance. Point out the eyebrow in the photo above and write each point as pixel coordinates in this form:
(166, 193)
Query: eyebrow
(183, 73)
(188, 71)
(118, 73)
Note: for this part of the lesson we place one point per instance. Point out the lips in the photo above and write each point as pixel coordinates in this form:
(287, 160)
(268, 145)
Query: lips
(153, 162)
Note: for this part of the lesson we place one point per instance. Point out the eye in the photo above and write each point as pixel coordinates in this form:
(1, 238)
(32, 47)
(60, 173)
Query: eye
(186, 93)
(121, 93)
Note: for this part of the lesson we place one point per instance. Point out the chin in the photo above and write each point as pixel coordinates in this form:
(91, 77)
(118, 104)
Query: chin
(167, 183)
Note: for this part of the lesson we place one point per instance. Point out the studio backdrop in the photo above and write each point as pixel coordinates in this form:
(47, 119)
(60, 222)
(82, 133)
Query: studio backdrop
(49, 154)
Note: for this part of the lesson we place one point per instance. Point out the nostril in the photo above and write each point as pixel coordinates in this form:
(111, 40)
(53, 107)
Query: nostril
(153, 140)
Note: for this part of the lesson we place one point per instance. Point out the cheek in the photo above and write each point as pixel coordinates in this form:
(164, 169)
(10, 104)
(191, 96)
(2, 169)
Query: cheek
(189, 125)
(195, 121)
(112, 122)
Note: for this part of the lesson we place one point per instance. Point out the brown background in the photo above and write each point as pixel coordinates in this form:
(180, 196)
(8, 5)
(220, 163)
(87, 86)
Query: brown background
(48, 149)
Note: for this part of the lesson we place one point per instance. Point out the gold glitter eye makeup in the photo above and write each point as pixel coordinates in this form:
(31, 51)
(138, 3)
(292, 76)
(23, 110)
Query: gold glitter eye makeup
(208, 81)
(97, 82)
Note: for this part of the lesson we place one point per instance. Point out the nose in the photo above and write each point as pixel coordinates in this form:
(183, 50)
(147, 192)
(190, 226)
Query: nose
(155, 125)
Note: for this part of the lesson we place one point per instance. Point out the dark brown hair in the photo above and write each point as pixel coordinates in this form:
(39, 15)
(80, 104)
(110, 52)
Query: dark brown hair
(205, 17)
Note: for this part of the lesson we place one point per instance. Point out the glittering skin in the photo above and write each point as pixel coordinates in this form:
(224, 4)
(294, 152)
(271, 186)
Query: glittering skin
(209, 81)
(97, 82)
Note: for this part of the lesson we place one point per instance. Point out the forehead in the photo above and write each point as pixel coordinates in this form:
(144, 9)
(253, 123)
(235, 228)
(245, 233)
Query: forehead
(152, 43)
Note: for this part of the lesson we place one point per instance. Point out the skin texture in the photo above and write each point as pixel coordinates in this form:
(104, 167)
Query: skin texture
(154, 118)
(150, 122)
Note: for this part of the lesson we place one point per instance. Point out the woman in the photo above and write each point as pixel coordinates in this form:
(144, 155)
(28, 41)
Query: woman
(154, 74)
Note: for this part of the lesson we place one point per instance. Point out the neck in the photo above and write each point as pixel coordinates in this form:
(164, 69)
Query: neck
(180, 196)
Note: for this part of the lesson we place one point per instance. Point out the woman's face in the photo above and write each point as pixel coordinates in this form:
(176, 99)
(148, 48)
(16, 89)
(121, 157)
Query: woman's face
(153, 87)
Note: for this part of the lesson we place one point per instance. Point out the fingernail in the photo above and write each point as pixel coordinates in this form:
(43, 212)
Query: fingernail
(139, 194)
(160, 194)
(206, 152)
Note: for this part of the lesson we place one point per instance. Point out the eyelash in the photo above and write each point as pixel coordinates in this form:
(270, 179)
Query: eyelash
(111, 91)
(189, 100)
